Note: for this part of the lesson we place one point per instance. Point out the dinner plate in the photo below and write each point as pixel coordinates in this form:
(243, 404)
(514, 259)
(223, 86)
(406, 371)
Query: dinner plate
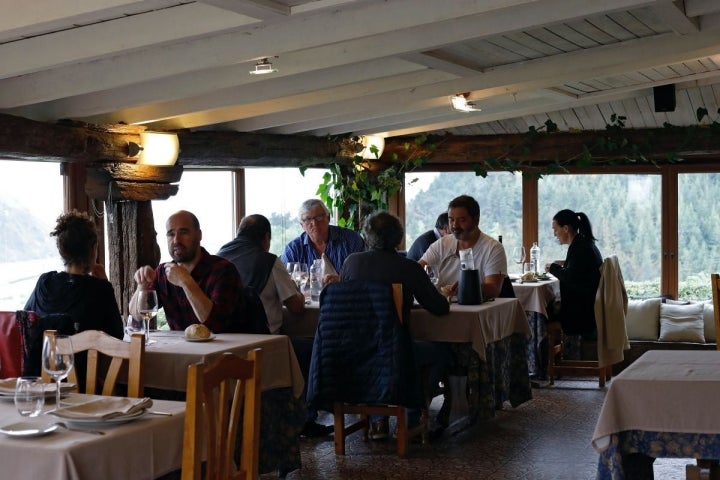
(28, 429)
(49, 390)
(210, 338)
(100, 423)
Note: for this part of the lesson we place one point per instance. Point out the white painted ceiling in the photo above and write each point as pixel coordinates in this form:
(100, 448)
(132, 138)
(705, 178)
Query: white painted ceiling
(360, 66)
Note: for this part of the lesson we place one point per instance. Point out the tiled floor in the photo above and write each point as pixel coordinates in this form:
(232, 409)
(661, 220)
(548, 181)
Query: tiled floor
(546, 438)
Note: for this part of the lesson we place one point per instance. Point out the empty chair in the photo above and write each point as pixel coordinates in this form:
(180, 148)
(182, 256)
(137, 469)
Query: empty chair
(362, 361)
(97, 343)
(610, 309)
(11, 353)
(216, 395)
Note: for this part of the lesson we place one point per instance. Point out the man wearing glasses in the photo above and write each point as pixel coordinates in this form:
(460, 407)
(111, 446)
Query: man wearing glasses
(333, 244)
(319, 239)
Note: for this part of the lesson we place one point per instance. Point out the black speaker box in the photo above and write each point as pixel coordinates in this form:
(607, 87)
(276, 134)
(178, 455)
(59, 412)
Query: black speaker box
(664, 97)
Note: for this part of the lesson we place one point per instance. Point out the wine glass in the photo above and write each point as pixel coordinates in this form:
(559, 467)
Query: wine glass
(432, 274)
(518, 255)
(29, 396)
(147, 306)
(299, 274)
(57, 359)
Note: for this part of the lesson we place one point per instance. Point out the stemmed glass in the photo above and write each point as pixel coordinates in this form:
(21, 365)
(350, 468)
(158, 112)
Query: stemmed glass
(57, 359)
(518, 255)
(299, 274)
(432, 274)
(147, 306)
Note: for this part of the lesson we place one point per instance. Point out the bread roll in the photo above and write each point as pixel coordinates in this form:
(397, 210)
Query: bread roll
(197, 331)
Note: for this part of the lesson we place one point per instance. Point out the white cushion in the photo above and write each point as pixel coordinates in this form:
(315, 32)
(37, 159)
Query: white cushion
(641, 320)
(709, 321)
(682, 323)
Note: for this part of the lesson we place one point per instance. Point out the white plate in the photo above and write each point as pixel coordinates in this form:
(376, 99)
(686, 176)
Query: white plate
(211, 337)
(100, 423)
(50, 391)
(28, 429)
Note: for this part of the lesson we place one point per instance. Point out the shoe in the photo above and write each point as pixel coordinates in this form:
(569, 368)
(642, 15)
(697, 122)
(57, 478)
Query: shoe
(379, 429)
(313, 429)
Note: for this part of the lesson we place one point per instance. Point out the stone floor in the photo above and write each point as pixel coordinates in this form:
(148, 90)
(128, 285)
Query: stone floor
(546, 438)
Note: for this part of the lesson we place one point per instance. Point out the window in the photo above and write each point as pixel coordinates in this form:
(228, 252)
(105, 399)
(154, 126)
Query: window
(277, 194)
(427, 195)
(625, 214)
(209, 195)
(31, 199)
(698, 234)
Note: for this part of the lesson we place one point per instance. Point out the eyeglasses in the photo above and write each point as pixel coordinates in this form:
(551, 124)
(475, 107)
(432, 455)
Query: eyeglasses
(316, 218)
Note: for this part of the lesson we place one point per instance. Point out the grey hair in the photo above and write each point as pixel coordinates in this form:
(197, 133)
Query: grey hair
(311, 203)
(383, 230)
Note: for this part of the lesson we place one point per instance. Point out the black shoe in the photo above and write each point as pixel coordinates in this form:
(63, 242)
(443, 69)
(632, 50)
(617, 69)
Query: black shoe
(312, 429)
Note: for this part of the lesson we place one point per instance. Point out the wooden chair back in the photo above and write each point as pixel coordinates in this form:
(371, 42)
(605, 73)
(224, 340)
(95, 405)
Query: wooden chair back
(97, 343)
(715, 285)
(216, 395)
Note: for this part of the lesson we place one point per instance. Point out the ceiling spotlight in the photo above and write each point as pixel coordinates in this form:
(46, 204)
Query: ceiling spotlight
(461, 104)
(263, 67)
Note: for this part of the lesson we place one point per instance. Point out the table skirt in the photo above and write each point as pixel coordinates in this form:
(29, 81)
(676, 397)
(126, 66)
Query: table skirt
(655, 445)
(503, 377)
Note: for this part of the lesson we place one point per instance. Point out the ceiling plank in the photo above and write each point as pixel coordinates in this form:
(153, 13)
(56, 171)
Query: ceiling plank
(260, 9)
(672, 13)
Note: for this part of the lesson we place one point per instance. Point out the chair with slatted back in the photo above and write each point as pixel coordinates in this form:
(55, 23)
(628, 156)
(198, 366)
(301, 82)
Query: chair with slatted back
(216, 395)
(99, 344)
(363, 361)
(610, 309)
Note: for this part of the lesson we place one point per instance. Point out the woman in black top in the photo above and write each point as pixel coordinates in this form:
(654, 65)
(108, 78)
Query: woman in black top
(579, 274)
(82, 290)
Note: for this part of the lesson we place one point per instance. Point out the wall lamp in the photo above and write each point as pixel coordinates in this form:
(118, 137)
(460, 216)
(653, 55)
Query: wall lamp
(155, 148)
(263, 67)
(460, 103)
(370, 141)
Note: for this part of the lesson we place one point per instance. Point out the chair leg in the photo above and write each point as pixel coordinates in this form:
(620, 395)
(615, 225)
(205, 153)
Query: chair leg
(339, 432)
(402, 433)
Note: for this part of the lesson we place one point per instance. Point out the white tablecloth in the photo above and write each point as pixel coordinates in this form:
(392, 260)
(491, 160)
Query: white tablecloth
(169, 357)
(477, 324)
(663, 391)
(143, 449)
(536, 296)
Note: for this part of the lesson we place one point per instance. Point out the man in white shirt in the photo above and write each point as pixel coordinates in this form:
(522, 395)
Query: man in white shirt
(488, 254)
(262, 270)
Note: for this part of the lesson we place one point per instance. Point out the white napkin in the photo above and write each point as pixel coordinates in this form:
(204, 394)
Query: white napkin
(7, 386)
(328, 268)
(104, 408)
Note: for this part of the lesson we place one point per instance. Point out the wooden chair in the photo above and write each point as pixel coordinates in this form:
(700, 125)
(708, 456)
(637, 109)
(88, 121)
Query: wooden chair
(715, 286)
(96, 342)
(212, 415)
(348, 384)
(602, 367)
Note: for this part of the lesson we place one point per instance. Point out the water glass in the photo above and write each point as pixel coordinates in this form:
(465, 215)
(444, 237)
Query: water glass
(528, 268)
(29, 396)
(136, 325)
(432, 274)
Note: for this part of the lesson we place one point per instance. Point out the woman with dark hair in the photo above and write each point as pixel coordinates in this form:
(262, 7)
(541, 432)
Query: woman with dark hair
(579, 274)
(82, 290)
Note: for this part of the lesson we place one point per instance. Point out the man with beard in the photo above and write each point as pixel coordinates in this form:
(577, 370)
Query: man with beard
(488, 254)
(195, 287)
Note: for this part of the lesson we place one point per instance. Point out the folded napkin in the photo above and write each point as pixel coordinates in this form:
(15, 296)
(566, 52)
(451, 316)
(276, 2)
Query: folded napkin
(104, 408)
(328, 268)
(7, 386)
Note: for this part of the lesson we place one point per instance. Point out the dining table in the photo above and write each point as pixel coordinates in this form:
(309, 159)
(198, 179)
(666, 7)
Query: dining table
(282, 412)
(489, 343)
(145, 448)
(537, 298)
(662, 405)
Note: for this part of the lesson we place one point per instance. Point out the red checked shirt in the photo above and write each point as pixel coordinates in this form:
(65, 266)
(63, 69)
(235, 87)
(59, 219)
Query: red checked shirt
(220, 281)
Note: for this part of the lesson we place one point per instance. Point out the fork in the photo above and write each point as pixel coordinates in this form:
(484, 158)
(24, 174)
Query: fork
(66, 427)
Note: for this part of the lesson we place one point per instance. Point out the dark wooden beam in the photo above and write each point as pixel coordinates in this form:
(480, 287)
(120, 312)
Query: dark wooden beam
(696, 145)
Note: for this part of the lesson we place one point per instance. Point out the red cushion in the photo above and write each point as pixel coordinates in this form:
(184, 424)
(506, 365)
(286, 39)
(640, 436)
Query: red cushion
(11, 355)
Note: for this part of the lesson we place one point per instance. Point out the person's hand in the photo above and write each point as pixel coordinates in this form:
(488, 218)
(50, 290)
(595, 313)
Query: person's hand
(177, 274)
(330, 278)
(98, 271)
(145, 277)
(547, 267)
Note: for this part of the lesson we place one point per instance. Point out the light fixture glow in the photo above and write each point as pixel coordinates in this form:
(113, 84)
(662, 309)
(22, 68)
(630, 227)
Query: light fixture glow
(370, 141)
(263, 67)
(157, 148)
(461, 104)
